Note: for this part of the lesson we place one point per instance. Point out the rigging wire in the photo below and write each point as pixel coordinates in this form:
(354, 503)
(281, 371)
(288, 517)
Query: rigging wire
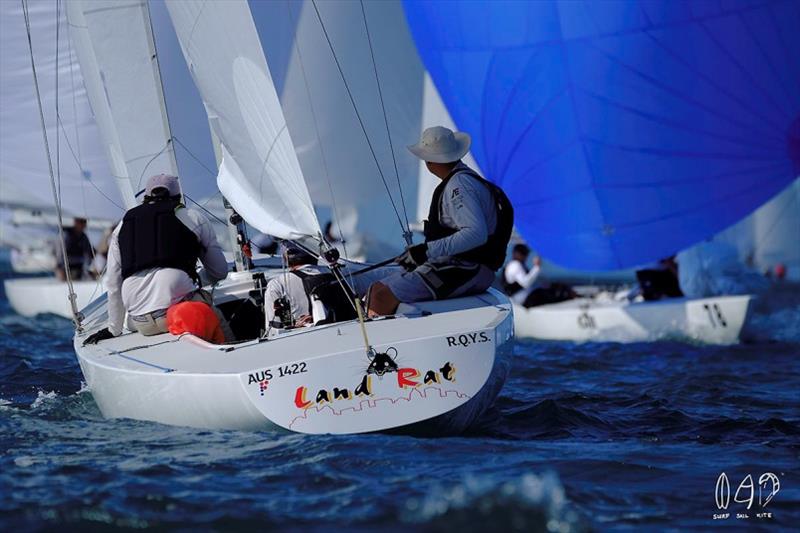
(319, 139)
(72, 297)
(358, 116)
(407, 233)
(163, 99)
(58, 137)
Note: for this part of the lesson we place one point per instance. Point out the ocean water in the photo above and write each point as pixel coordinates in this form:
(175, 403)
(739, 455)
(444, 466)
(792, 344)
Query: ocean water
(583, 437)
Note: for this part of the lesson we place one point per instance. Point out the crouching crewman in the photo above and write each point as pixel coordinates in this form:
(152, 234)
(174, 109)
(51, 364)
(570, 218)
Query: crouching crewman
(152, 261)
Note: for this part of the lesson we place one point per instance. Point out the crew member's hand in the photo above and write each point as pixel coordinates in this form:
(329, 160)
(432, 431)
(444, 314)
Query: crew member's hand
(304, 320)
(414, 256)
(98, 336)
(537, 261)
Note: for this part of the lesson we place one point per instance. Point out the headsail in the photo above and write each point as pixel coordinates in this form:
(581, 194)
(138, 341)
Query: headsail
(114, 42)
(259, 175)
(85, 187)
(622, 131)
(368, 40)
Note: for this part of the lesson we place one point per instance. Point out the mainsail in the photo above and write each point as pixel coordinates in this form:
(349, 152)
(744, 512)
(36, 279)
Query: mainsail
(622, 131)
(114, 42)
(85, 187)
(259, 175)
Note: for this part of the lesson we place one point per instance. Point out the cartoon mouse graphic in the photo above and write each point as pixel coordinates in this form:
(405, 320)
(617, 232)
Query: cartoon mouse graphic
(383, 362)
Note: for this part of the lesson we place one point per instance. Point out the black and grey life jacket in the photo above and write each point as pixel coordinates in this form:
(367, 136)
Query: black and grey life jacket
(512, 288)
(492, 253)
(327, 289)
(77, 247)
(153, 236)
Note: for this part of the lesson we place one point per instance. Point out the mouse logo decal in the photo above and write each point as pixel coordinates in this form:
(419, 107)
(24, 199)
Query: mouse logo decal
(383, 362)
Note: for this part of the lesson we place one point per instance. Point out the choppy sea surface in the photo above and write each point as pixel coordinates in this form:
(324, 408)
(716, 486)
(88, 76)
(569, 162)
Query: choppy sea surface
(583, 437)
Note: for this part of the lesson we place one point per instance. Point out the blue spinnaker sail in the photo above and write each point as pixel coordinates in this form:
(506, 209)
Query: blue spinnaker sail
(622, 131)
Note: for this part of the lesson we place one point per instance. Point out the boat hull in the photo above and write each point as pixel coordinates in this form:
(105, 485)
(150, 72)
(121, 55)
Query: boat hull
(34, 296)
(716, 320)
(437, 372)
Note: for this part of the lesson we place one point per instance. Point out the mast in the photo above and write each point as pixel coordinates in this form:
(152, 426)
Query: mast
(236, 235)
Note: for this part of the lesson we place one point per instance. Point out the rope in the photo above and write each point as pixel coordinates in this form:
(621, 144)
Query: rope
(407, 232)
(72, 298)
(211, 172)
(358, 116)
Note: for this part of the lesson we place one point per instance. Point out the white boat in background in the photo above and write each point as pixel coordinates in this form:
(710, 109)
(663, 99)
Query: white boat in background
(715, 320)
(85, 188)
(33, 259)
(43, 295)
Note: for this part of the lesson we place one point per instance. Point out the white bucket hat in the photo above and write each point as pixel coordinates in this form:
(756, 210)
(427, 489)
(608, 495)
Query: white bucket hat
(441, 145)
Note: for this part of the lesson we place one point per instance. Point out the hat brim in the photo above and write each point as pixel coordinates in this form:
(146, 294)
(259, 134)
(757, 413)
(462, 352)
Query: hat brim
(463, 142)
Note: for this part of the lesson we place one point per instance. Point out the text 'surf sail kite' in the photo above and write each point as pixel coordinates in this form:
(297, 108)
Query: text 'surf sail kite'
(622, 131)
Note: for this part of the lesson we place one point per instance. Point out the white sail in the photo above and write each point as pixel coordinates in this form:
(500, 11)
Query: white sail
(769, 236)
(85, 186)
(332, 147)
(259, 175)
(114, 42)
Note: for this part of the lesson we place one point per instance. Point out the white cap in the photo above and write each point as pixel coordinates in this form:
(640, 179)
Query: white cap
(163, 181)
(441, 145)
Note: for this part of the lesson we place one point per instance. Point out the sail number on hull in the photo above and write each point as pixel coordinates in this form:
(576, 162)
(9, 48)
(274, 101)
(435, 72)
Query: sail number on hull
(715, 316)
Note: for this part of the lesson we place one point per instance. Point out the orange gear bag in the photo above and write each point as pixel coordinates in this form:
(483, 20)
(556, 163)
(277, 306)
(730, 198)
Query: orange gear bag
(196, 318)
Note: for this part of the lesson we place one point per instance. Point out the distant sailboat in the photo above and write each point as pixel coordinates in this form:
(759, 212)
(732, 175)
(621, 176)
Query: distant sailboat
(83, 184)
(436, 366)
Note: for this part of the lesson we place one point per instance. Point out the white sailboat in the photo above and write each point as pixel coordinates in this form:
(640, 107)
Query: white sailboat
(434, 367)
(25, 183)
(716, 320)
(766, 238)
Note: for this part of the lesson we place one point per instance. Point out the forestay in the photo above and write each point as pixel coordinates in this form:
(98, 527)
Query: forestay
(114, 43)
(625, 131)
(259, 174)
(85, 189)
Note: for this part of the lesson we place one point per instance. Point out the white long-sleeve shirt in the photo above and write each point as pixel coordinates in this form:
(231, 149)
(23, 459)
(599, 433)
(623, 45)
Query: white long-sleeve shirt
(158, 288)
(291, 286)
(515, 272)
(467, 206)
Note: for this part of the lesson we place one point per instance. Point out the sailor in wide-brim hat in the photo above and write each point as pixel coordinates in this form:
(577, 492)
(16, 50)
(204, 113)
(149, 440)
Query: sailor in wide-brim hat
(441, 145)
(466, 234)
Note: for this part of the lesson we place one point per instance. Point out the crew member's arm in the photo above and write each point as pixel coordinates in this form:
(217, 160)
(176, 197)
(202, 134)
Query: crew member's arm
(515, 273)
(461, 202)
(211, 254)
(113, 284)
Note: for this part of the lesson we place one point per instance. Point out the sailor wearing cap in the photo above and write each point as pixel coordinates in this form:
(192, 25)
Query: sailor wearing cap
(152, 260)
(468, 228)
